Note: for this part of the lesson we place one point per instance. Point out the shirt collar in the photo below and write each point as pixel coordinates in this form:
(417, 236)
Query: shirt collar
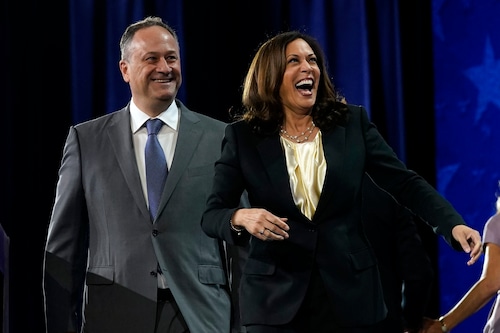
(170, 116)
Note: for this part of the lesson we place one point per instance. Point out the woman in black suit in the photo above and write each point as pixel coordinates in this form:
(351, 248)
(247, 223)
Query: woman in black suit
(301, 152)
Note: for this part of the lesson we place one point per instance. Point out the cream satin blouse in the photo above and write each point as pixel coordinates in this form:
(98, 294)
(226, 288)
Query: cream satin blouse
(307, 168)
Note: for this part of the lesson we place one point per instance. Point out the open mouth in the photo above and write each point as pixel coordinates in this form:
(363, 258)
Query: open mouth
(306, 84)
(305, 87)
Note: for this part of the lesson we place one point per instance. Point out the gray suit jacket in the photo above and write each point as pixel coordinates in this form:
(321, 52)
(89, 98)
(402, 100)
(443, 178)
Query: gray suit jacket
(102, 247)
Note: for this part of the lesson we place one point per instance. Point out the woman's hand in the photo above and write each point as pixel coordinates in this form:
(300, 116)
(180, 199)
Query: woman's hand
(431, 326)
(470, 240)
(261, 223)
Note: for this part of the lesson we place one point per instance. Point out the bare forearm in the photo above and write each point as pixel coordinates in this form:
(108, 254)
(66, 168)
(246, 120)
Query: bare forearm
(471, 302)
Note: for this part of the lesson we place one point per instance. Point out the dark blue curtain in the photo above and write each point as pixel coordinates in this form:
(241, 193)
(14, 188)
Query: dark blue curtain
(61, 67)
(96, 28)
(360, 38)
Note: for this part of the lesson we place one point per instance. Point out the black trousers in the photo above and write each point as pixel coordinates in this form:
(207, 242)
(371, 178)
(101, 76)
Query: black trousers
(169, 318)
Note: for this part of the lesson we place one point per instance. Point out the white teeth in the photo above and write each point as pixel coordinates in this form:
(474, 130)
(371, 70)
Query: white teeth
(305, 83)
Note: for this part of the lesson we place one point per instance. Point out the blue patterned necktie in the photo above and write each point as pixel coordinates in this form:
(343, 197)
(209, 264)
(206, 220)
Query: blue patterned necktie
(156, 166)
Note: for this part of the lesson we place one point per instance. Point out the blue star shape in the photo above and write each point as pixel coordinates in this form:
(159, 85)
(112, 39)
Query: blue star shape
(486, 78)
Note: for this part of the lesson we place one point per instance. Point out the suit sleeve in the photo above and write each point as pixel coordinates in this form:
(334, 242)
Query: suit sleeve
(409, 188)
(66, 245)
(227, 191)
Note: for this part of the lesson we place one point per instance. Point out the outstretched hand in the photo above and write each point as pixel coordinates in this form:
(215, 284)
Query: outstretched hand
(470, 240)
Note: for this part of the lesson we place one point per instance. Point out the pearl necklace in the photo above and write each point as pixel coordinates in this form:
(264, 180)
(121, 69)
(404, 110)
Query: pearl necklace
(298, 138)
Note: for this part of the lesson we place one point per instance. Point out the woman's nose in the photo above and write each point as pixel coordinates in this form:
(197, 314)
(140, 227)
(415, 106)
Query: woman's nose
(306, 66)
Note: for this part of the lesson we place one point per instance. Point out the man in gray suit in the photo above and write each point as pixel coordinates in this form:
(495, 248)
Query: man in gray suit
(109, 266)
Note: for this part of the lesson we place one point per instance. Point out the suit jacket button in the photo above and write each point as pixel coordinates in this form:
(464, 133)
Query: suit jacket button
(155, 233)
(153, 273)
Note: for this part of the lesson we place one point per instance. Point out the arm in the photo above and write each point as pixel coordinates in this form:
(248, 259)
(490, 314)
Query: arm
(225, 216)
(477, 296)
(412, 191)
(218, 219)
(66, 245)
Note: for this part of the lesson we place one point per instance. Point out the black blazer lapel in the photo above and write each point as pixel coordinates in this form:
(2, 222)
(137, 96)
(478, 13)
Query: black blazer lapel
(273, 158)
(334, 146)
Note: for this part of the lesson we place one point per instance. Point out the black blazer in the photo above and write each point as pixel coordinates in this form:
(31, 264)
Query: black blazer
(405, 268)
(277, 273)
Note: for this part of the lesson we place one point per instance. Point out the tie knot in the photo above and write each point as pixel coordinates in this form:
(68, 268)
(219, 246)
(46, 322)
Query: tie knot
(154, 126)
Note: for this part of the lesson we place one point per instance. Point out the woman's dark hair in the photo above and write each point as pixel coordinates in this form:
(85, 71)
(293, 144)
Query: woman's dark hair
(262, 105)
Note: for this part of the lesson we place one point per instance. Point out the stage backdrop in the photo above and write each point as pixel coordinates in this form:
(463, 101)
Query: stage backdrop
(361, 40)
(380, 54)
(466, 38)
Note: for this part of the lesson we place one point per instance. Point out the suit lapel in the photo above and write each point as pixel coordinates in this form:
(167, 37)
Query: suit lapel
(187, 141)
(334, 148)
(273, 158)
(120, 137)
